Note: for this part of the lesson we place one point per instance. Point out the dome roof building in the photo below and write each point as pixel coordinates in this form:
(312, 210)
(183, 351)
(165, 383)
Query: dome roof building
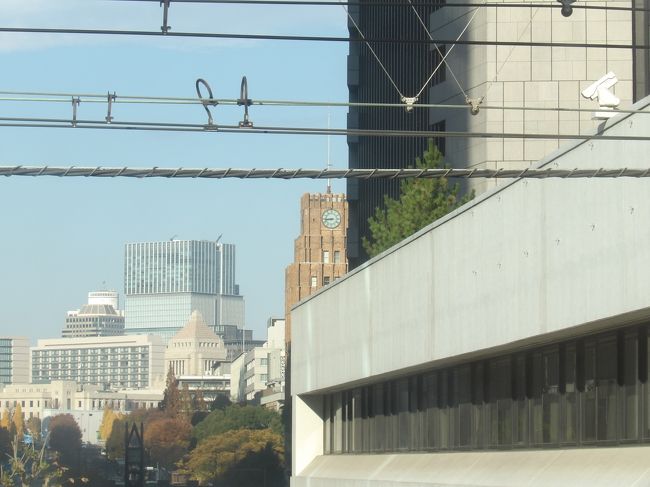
(99, 318)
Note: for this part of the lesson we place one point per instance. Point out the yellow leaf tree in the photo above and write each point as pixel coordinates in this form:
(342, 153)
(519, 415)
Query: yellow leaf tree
(5, 422)
(107, 423)
(19, 422)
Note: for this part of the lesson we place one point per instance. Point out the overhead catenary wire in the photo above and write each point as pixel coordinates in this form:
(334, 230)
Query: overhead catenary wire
(443, 57)
(75, 123)
(380, 3)
(217, 35)
(55, 97)
(374, 54)
(300, 173)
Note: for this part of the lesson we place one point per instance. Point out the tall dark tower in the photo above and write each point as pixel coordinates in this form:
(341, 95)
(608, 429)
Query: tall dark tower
(409, 65)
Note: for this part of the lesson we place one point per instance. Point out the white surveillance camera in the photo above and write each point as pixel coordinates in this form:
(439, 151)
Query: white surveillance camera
(599, 90)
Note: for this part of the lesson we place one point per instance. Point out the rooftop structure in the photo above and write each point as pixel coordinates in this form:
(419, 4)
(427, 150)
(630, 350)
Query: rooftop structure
(100, 317)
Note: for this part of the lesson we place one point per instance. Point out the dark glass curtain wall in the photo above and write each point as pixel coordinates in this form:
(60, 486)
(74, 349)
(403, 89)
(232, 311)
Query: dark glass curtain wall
(581, 392)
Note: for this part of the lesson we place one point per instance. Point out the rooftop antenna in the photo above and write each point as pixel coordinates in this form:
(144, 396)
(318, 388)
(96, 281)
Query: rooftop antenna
(219, 238)
(329, 165)
(173, 237)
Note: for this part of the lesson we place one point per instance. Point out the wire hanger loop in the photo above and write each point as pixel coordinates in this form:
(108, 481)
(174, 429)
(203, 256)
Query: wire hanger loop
(246, 102)
(206, 101)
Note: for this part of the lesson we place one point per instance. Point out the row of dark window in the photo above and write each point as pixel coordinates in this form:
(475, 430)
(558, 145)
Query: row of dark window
(586, 391)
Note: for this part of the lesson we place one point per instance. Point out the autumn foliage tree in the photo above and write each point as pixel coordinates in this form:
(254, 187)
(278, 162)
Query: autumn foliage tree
(235, 458)
(5, 422)
(108, 419)
(421, 202)
(115, 440)
(167, 440)
(171, 402)
(34, 426)
(18, 421)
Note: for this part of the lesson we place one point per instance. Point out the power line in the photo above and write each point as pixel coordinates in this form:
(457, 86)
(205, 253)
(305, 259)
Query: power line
(50, 97)
(397, 4)
(442, 56)
(281, 173)
(214, 35)
(282, 130)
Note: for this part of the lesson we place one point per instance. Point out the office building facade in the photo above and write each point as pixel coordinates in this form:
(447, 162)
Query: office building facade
(505, 344)
(120, 362)
(409, 65)
(532, 77)
(14, 359)
(164, 282)
(523, 78)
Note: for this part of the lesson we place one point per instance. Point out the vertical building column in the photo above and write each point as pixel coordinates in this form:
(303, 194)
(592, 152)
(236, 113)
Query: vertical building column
(307, 431)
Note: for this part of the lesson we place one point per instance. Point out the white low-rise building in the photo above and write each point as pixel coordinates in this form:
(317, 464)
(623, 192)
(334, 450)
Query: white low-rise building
(117, 362)
(254, 372)
(85, 402)
(505, 344)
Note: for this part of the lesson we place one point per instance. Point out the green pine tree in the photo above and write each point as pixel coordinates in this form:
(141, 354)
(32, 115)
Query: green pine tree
(421, 202)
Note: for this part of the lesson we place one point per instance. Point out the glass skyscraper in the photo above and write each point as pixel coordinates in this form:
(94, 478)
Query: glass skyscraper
(165, 281)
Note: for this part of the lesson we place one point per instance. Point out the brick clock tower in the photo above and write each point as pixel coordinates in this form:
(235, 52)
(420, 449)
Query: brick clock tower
(319, 250)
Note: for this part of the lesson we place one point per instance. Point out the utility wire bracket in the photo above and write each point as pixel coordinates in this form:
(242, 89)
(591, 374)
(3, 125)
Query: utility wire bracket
(245, 102)
(110, 99)
(75, 103)
(165, 27)
(409, 102)
(474, 104)
(206, 102)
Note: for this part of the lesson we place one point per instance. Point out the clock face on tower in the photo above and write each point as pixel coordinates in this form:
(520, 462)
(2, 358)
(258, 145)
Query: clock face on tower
(331, 218)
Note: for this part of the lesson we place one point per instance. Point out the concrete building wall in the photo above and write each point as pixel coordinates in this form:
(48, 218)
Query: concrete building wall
(531, 261)
(236, 378)
(524, 76)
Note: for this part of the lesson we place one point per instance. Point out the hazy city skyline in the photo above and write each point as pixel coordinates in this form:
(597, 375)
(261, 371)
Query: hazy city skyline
(64, 238)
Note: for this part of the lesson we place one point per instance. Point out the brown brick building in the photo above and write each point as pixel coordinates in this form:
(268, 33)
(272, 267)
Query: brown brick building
(319, 250)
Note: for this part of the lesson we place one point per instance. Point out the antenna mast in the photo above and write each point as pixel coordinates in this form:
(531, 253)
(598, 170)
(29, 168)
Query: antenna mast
(329, 165)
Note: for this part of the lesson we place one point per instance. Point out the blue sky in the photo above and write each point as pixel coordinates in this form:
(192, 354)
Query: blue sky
(64, 237)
